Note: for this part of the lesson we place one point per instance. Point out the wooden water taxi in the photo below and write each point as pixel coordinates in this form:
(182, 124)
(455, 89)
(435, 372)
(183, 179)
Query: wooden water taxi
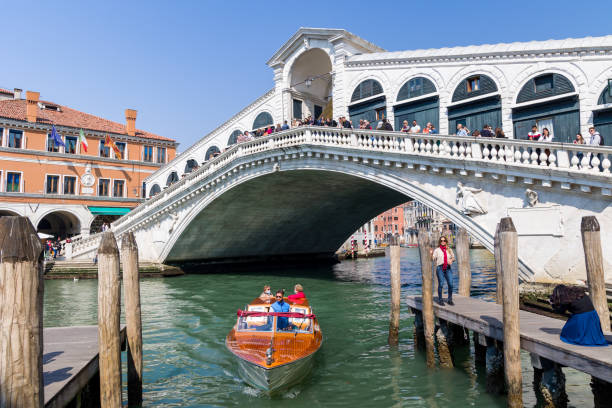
(275, 350)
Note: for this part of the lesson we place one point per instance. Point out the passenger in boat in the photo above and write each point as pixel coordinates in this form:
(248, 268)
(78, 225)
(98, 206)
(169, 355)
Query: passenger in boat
(280, 306)
(267, 293)
(583, 327)
(298, 294)
(443, 258)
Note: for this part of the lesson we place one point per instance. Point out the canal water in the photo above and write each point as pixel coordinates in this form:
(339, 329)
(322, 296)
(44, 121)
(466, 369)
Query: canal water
(186, 319)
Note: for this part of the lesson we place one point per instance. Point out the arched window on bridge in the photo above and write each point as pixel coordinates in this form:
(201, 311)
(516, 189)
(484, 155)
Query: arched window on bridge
(172, 178)
(191, 165)
(262, 120)
(233, 139)
(422, 110)
(475, 113)
(155, 189)
(560, 116)
(602, 119)
(365, 104)
(211, 152)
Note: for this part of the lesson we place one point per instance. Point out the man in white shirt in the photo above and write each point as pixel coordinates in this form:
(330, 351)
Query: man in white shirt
(415, 127)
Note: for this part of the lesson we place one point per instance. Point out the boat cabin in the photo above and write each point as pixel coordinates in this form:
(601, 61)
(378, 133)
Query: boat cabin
(280, 324)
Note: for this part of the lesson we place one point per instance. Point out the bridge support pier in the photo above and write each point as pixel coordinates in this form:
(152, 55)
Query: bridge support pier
(480, 349)
(548, 383)
(419, 330)
(460, 336)
(444, 337)
(602, 392)
(496, 383)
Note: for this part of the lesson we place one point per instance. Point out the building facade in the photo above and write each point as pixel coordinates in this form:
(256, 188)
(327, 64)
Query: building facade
(72, 188)
(564, 85)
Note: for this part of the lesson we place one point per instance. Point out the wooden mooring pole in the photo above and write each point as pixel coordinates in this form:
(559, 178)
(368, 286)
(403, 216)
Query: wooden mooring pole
(21, 314)
(109, 311)
(428, 313)
(591, 241)
(508, 242)
(131, 282)
(394, 318)
(462, 246)
(498, 270)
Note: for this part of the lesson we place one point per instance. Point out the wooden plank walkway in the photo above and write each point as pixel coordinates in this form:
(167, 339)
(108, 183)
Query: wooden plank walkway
(70, 361)
(539, 334)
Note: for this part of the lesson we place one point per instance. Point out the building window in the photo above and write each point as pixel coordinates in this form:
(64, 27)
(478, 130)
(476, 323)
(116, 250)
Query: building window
(121, 147)
(51, 146)
(543, 83)
(416, 85)
(52, 185)
(147, 154)
(1, 137)
(69, 184)
(297, 109)
(13, 182)
(473, 84)
(118, 186)
(380, 113)
(104, 150)
(15, 139)
(71, 144)
(161, 154)
(103, 187)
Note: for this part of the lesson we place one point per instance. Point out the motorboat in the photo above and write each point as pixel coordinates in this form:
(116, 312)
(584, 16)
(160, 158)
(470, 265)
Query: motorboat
(275, 350)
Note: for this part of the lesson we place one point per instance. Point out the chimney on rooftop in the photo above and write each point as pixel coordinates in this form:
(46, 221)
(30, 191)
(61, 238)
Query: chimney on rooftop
(32, 105)
(17, 93)
(130, 121)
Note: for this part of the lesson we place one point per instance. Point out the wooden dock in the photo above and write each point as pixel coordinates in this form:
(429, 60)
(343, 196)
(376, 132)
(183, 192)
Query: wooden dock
(70, 361)
(539, 334)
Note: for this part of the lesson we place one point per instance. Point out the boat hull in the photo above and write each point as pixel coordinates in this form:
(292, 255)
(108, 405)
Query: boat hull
(276, 378)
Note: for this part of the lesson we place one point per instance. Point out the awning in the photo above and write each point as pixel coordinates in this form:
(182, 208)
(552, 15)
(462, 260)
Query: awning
(109, 210)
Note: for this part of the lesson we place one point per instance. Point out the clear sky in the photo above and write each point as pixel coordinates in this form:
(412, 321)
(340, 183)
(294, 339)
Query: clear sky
(187, 66)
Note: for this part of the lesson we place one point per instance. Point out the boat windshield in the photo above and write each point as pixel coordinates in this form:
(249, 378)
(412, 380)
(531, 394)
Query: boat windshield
(295, 325)
(255, 324)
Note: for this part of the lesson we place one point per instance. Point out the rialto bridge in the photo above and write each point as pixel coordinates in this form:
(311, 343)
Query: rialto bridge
(304, 191)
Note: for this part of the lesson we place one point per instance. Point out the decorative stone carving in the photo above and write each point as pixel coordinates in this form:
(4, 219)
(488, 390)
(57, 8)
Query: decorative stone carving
(88, 179)
(467, 201)
(173, 220)
(532, 197)
(276, 167)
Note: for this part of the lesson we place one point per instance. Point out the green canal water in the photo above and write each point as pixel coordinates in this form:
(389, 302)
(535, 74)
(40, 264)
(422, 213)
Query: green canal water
(186, 319)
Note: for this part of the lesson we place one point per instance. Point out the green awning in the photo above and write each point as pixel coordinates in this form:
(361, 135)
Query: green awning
(109, 210)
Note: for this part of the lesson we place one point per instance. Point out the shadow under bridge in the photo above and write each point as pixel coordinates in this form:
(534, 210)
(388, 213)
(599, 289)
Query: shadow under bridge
(287, 213)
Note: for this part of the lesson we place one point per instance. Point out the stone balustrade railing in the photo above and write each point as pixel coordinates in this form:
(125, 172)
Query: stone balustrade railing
(580, 159)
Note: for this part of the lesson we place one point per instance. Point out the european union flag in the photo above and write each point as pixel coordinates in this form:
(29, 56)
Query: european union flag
(57, 139)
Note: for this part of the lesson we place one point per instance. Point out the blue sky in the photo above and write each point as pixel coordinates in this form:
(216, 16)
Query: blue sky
(187, 66)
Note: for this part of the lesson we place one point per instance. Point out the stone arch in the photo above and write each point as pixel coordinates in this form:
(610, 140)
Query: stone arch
(289, 64)
(263, 119)
(598, 85)
(233, 139)
(211, 152)
(59, 223)
(577, 78)
(191, 165)
(436, 79)
(172, 178)
(379, 76)
(155, 189)
(4, 212)
(311, 63)
(495, 73)
(392, 181)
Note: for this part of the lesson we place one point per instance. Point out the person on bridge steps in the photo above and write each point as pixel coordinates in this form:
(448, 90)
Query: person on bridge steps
(583, 327)
(443, 258)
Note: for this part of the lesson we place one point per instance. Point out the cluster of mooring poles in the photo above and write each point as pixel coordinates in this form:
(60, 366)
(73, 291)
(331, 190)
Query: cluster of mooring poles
(500, 357)
(21, 317)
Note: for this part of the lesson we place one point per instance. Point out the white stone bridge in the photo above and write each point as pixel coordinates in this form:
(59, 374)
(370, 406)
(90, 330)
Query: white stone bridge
(304, 191)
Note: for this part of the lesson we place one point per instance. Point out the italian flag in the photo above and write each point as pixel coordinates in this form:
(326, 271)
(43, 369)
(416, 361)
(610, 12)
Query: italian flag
(83, 140)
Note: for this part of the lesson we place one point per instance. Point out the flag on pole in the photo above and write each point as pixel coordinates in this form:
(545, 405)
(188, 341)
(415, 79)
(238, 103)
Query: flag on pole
(109, 142)
(82, 140)
(57, 139)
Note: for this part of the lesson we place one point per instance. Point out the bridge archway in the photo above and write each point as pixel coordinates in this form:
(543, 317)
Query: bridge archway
(211, 152)
(60, 224)
(155, 189)
(426, 107)
(368, 102)
(190, 165)
(7, 213)
(233, 139)
(475, 113)
(310, 84)
(172, 178)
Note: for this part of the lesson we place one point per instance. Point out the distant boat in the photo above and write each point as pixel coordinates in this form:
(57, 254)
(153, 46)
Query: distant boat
(270, 358)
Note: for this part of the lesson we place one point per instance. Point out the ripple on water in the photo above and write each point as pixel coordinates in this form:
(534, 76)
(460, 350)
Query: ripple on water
(186, 319)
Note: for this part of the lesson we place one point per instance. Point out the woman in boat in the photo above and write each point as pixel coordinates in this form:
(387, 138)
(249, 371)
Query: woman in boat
(583, 327)
(267, 293)
(298, 293)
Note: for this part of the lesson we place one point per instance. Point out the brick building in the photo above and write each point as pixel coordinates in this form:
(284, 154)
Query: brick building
(69, 190)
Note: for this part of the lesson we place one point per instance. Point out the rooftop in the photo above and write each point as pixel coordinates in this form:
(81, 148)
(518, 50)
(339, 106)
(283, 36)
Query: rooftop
(65, 116)
(573, 44)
